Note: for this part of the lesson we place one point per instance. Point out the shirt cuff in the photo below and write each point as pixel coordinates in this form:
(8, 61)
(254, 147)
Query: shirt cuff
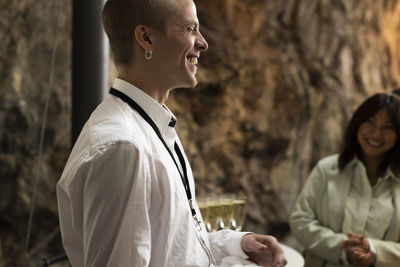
(343, 258)
(235, 247)
(372, 249)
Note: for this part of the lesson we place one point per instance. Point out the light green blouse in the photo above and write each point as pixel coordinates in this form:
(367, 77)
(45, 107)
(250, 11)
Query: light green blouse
(369, 210)
(334, 202)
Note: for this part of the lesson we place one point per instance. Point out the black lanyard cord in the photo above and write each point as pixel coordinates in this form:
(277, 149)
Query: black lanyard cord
(147, 118)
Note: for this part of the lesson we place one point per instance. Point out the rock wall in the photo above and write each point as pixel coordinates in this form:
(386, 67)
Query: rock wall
(277, 86)
(27, 33)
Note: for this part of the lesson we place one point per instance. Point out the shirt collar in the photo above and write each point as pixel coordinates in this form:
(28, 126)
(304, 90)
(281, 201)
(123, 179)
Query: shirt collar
(160, 114)
(388, 174)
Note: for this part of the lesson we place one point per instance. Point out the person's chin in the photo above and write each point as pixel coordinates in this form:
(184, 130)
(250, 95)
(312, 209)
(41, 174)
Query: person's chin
(193, 85)
(188, 80)
(192, 81)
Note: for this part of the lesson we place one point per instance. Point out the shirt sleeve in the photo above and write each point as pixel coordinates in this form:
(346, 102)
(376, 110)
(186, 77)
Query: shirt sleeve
(315, 237)
(116, 200)
(372, 249)
(387, 252)
(226, 243)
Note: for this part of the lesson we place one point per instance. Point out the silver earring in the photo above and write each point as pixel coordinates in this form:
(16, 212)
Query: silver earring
(148, 54)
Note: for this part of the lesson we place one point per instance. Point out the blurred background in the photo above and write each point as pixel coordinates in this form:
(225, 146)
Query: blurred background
(276, 89)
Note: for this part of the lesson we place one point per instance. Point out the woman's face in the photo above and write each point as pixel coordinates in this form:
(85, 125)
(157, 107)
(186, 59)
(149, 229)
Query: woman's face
(376, 136)
(177, 50)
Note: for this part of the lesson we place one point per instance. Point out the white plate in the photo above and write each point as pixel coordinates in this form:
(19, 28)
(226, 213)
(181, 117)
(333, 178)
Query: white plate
(293, 257)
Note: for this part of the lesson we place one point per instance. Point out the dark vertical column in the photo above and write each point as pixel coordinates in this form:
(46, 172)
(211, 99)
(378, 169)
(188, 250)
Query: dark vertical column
(90, 58)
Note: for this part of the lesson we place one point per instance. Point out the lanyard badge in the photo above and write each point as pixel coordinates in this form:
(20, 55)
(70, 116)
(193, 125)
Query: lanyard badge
(184, 177)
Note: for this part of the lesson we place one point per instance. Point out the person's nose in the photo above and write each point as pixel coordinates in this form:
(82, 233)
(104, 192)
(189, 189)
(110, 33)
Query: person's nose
(201, 43)
(377, 132)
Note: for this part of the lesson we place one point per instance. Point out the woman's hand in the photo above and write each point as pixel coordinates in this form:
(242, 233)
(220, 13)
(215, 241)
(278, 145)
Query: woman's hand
(263, 250)
(357, 250)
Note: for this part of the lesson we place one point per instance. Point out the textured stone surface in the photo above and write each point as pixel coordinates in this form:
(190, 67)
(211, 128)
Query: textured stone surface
(277, 85)
(27, 33)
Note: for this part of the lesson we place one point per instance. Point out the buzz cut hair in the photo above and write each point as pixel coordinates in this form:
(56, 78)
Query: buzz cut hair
(120, 18)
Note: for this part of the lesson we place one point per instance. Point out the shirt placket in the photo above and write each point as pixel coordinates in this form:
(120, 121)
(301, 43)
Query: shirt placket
(364, 198)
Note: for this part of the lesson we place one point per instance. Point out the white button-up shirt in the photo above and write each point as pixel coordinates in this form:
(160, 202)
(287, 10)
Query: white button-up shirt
(368, 210)
(121, 199)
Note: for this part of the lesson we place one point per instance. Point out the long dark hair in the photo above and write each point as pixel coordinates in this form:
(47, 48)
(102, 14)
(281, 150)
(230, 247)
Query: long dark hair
(351, 147)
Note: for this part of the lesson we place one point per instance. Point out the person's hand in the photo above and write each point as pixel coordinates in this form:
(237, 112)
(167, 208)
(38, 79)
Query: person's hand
(263, 250)
(357, 250)
(359, 258)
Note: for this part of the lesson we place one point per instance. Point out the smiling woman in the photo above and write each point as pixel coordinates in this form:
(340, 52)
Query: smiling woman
(373, 134)
(376, 137)
(349, 209)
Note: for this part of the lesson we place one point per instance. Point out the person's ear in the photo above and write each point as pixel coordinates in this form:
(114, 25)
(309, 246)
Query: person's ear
(142, 36)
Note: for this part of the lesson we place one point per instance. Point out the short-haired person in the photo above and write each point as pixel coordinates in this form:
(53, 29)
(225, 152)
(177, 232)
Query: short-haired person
(348, 213)
(126, 196)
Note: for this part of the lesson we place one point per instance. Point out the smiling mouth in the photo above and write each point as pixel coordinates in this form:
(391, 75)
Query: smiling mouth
(373, 143)
(192, 59)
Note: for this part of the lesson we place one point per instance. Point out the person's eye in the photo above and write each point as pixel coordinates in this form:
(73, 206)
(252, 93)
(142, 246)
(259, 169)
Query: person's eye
(192, 28)
(389, 127)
